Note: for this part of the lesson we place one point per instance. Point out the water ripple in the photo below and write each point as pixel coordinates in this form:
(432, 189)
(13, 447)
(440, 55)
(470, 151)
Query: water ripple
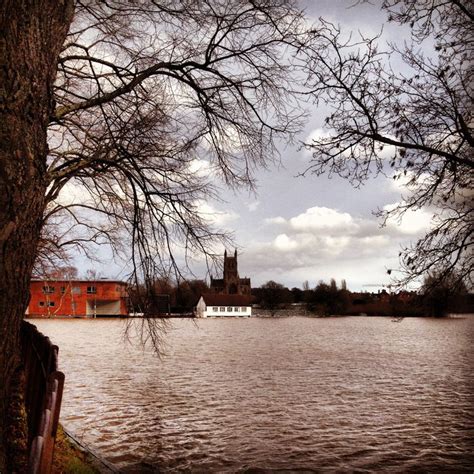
(284, 395)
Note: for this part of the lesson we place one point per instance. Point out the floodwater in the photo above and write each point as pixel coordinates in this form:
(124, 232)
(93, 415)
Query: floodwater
(352, 394)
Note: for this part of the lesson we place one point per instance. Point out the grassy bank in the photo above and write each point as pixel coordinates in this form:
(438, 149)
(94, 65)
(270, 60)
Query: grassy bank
(69, 459)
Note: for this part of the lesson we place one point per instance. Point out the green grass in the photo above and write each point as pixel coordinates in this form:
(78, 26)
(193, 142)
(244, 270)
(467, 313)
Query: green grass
(68, 459)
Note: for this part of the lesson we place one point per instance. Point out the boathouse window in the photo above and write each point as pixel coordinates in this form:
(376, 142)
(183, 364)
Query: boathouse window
(215, 309)
(41, 303)
(229, 309)
(51, 303)
(91, 290)
(222, 308)
(76, 290)
(236, 309)
(48, 289)
(243, 309)
(63, 290)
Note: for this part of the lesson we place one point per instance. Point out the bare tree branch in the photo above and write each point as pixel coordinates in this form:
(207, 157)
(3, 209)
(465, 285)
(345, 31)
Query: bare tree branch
(413, 122)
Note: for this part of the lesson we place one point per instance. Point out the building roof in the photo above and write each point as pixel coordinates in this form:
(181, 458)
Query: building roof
(227, 300)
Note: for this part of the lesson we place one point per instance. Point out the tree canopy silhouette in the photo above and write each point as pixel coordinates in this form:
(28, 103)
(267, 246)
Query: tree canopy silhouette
(406, 111)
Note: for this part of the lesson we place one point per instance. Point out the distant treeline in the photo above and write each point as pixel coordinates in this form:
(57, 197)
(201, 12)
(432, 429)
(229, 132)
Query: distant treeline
(326, 299)
(163, 296)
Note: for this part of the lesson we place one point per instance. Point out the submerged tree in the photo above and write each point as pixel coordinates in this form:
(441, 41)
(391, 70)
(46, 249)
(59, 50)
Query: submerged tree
(106, 108)
(328, 299)
(409, 110)
(273, 296)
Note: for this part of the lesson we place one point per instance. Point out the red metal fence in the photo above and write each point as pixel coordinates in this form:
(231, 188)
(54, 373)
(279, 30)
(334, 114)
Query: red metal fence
(43, 394)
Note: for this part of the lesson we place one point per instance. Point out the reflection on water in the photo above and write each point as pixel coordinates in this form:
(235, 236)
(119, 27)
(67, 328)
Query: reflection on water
(335, 394)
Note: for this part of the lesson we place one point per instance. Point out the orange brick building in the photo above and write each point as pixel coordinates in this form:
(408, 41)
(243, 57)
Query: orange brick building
(77, 298)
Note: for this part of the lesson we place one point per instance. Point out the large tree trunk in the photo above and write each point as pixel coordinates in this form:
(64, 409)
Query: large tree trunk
(31, 35)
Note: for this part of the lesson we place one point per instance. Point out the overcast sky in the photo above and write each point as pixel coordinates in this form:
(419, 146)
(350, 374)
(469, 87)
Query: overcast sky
(314, 228)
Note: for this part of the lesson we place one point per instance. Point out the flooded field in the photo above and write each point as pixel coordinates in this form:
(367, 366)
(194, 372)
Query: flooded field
(289, 394)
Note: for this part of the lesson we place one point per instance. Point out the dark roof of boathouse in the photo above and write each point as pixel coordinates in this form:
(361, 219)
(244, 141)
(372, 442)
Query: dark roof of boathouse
(212, 299)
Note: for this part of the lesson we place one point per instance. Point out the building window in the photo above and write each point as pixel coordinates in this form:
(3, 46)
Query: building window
(48, 289)
(236, 309)
(221, 308)
(229, 309)
(41, 303)
(91, 290)
(63, 290)
(51, 303)
(215, 309)
(243, 309)
(76, 290)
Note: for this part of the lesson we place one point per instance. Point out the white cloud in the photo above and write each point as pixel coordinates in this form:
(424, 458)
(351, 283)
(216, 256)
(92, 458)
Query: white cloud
(316, 235)
(321, 243)
(412, 222)
(200, 167)
(318, 219)
(323, 219)
(253, 206)
(215, 216)
(317, 134)
(73, 193)
(386, 152)
(275, 220)
(284, 243)
(372, 245)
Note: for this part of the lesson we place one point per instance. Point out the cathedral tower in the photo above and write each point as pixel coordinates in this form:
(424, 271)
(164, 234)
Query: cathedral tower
(231, 284)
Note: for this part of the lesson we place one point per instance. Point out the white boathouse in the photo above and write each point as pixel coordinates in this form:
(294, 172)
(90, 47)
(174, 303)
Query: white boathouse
(218, 305)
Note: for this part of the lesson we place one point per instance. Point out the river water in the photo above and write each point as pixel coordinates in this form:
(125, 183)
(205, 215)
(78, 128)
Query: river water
(352, 394)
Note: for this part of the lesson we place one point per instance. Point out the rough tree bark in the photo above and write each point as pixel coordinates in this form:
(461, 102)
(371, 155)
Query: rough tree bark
(31, 36)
